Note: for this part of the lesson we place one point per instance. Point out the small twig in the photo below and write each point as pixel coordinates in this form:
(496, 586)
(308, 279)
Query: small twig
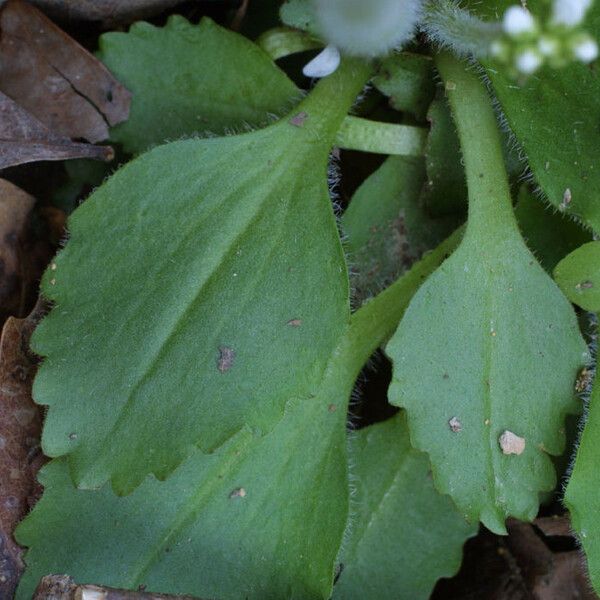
(63, 587)
(240, 14)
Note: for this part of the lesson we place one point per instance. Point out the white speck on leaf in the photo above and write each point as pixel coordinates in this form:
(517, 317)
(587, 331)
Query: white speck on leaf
(455, 424)
(510, 443)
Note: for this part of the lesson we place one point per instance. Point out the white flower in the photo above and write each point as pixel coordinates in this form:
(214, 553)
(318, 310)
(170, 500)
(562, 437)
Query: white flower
(367, 27)
(517, 20)
(548, 46)
(528, 61)
(569, 12)
(325, 63)
(586, 50)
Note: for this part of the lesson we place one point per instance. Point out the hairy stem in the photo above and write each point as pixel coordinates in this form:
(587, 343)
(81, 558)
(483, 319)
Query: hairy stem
(381, 138)
(456, 29)
(321, 113)
(489, 194)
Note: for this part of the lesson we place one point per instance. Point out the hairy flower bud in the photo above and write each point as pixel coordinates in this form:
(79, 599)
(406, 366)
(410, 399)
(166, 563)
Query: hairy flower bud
(370, 28)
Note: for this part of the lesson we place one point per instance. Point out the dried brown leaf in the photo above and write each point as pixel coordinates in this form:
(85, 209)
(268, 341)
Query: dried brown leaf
(525, 565)
(24, 139)
(63, 587)
(556, 525)
(108, 12)
(56, 80)
(549, 575)
(15, 210)
(20, 456)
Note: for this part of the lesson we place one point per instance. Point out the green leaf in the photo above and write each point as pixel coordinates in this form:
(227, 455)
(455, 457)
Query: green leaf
(230, 84)
(386, 226)
(408, 80)
(261, 518)
(299, 14)
(445, 191)
(202, 288)
(578, 276)
(488, 350)
(581, 494)
(189, 79)
(278, 501)
(404, 535)
(554, 116)
(549, 234)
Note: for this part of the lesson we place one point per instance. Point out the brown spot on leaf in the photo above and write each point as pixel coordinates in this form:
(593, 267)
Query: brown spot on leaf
(226, 358)
(299, 119)
(294, 322)
(584, 380)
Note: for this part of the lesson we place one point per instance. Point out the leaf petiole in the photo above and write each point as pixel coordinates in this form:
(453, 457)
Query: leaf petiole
(283, 41)
(381, 138)
(489, 193)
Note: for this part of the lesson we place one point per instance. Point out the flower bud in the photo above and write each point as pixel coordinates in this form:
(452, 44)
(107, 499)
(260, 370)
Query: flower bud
(367, 28)
(517, 21)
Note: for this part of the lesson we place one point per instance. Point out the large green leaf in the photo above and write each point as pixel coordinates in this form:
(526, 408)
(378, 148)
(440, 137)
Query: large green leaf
(549, 234)
(190, 79)
(488, 350)
(259, 518)
(403, 535)
(581, 495)
(554, 115)
(202, 288)
(262, 517)
(578, 275)
(386, 226)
